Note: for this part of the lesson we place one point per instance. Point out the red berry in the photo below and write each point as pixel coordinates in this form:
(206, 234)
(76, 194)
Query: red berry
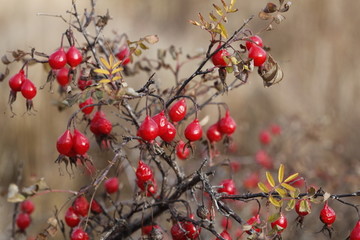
(27, 206)
(16, 81)
(225, 234)
(95, 207)
(275, 129)
(226, 223)
(71, 218)
(280, 224)
(81, 206)
(148, 129)
(62, 76)
(23, 220)
(265, 137)
(213, 133)
(112, 185)
(57, 60)
(254, 221)
(124, 55)
(100, 125)
(144, 172)
(73, 56)
(28, 89)
(299, 208)
(178, 111)
(161, 121)
(79, 234)
(80, 143)
(218, 58)
(84, 83)
(355, 233)
(327, 215)
(228, 186)
(227, 124)
(193, 131)
(170, 133)
(177, 233)
(258, 54)
(255, 41)
(146, 230)
(184, 230)
(192, 231)
(87, 102)
(64, 143)
(182, 151)
(264, 159)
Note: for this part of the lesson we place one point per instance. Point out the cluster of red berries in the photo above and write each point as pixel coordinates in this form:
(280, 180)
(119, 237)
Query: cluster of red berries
(183, 230)
(19, 83)
(145, 179)
(23, 219)
(101, 127)
(74, 144)
(225, 126)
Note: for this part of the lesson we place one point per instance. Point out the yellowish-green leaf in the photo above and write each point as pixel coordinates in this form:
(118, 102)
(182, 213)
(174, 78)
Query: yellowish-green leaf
(105, 63)
(263, 187)
(290, 205)
(212, 17)
(224, 33)
(116, 78)
(104, 80)
(194, 23)
(291, 177)
(229, 69)
(232, 3)
(305, 205)
(143, 46)
(270, 179)
(288, 187)
(281, 173)
(275, 202)
(282, 192)
(151, 39)
(111, 61)
(102, 71)
(137, 52)
(218, 10)
(202, 19)
(116, 70)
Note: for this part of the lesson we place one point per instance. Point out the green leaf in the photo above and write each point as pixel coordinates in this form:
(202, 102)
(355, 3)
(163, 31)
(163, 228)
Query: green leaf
(275, 202)
(270, 179)
(290, 205)
(218, 10)
(281, 173)
(288, 187)
(263, 187)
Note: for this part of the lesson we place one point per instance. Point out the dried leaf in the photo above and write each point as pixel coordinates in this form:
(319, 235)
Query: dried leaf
(311, 191)
(194, 23)
(270, 72)
(291, 177)
(5, 60)
(290, 205)
(286, 7)
(224, 4)
(279, 18)
(326, 196)
(265, 16)
(263, 187)
(212, 17)
(275, 202)
(151, 39)
(281, 173)
(218, 10)
(270, 179)
(288, 187)
(13, 195)
(270, 8)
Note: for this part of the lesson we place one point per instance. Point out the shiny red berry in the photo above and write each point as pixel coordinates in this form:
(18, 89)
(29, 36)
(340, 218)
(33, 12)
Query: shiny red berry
(62, 76)
(228, 186)
(73, 56)
(192, 231)
(87, 110)
(225, 234)
(148, 129)
(84, 83)
(254, 221)
(170, 133)
(213, 133)
(57, 60)
(355, 233)
(227, 124)
(265, 137)
(182, 151)
(193, 131)
(161, 121)
(81, 206)
(27, 206)
(64, 143)
(16, 81)
(124, 55)
(258, 55)
(80, 143)
(28, 89)
(100, 125)
(23, 220)
(71, 218)
(112, 185)
(327, 215)
(95, 207)
(300, 207)
(255, 41)
(177, 232)
(143, 172)
(79, 234)
(178, 111)
(280, 224)
(218, 59)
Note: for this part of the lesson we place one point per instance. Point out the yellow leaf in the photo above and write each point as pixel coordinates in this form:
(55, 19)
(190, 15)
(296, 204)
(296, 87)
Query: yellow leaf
(105, 63)
(263, 187)
(281, 173)
(102, 71)
(116, 65)
(288, 187)
(194, 23)
(290, 205)
(212, 17)
(218, 10)
(270, 179)
(223, 30)
(116, 70)
(274, 202)
(137, 52)
(232, 3)
(104, 80)
(281, 192)
(292, 177)
(115, 78)
(111, 61)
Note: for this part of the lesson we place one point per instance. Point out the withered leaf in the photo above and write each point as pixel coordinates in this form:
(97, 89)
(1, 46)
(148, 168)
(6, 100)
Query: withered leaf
(286, 7)
(279, 18)
(5, 60)
(270, 8)
(152, 39)
(265, 16)
(270, 72)
(14, 195)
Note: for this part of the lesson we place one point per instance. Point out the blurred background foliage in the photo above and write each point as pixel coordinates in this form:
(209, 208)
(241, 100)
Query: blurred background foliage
(317, 48)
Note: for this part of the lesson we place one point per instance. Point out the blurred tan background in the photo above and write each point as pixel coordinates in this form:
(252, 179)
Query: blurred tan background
(317, 47)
